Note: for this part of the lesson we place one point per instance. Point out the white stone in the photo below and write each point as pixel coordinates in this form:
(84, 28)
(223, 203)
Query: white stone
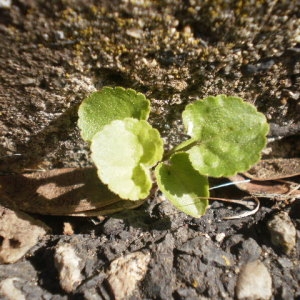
(19, 232)
(5, 3)
(68, 265)
(9, 291)
(125, 272)
(220, 237)
(254, 282)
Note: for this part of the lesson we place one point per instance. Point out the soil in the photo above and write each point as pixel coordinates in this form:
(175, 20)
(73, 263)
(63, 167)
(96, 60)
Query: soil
(53, 54)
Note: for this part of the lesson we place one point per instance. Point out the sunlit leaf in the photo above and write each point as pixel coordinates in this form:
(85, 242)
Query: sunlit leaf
(123, 152)
(109, 104)
(184, 187)
(227, 133)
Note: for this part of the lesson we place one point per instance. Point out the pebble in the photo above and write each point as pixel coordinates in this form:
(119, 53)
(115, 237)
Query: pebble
(59, 35)
(135, 33)
(220, 237)
(5, 3)
(283, 232)
(9, 291)
(68, 265)
(254, 282)
(126, 272)
(18, 233)
(28, 81)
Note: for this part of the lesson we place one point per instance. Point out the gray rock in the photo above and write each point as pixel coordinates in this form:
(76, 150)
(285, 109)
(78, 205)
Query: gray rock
(283, 232)
(285, 263)
(207, 250)
(189, 293)
(254, 282)
(287, 294)
(245, 249)
(95, 288)
(249, 251)
(113, 226)
(160, 279)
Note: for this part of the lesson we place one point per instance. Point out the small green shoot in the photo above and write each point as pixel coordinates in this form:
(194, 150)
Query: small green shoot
(227, 136)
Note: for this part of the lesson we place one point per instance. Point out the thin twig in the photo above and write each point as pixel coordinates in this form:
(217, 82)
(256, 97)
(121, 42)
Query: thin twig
(15, 154)
(297, 187)
(240, 202)
(247, 213)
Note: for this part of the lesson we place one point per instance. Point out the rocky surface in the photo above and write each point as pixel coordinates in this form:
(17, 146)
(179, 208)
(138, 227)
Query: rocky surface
(54, 53)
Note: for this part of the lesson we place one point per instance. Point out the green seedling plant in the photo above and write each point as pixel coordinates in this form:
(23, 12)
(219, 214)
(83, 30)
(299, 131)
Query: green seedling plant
(226, 134)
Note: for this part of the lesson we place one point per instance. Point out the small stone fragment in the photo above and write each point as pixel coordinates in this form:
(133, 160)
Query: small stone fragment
(18, 233)
(125, 272)
(220, 237)
(9, 291)
(28, 81)
(59, 35)
(5, 3)
(283, 232)
(68, 266)
(68, 228)
(254, 282)
(135, 33)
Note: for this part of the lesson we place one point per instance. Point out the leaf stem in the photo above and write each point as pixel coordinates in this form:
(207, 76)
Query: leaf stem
(183, 147)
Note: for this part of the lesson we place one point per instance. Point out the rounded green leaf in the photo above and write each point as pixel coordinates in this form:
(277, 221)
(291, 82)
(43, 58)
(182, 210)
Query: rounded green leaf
(184, 187)
(227, 133)
(107, 105)
(123, 152)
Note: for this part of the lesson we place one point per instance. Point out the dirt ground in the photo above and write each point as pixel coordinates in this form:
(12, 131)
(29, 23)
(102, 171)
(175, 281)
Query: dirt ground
(54, 53)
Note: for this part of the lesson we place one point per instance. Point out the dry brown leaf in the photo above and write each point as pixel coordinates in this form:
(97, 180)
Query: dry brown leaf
(259, 187)
(277, 168)
(272, 189)
(266, 179)
(68, 192)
